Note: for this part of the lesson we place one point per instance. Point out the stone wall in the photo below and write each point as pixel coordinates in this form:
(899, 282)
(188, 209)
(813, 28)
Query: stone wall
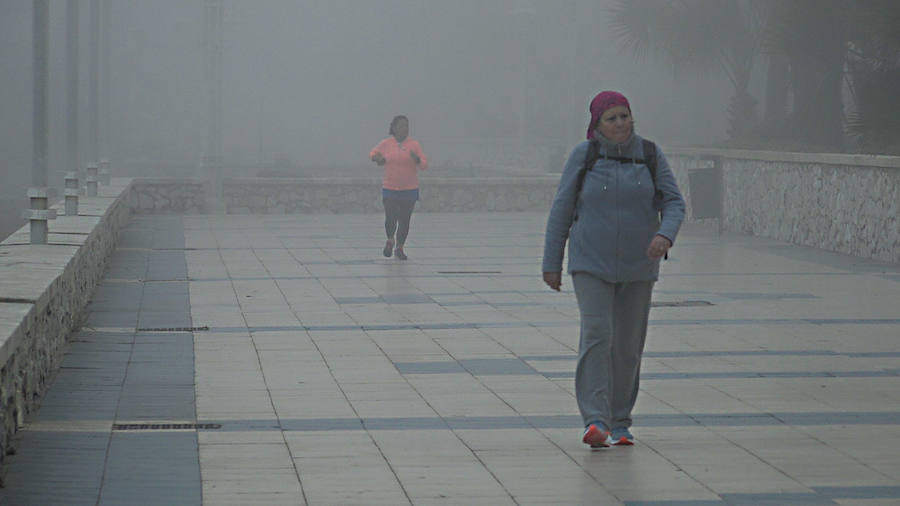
(44, 292)
(844, 203)
(169, 196)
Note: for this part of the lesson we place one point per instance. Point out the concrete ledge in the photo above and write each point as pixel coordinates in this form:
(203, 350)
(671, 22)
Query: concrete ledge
(850, 160)
(43, 292)
(844, 203)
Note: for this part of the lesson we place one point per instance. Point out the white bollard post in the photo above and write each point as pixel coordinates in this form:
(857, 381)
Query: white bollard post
(38, 214)
(71, 193)
(91, 180)
(105, 174)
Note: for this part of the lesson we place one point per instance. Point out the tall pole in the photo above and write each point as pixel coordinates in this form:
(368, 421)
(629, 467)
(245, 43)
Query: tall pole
(73, 155)
(38, 193)
(212, 161)
(103, 107)
(40, 37)
(523, 15)
(94, 84)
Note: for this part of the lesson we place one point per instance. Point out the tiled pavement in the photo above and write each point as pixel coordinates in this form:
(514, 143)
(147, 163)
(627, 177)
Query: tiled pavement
(320, 372)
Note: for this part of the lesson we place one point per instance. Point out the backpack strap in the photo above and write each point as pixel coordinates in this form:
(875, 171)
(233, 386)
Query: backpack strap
(590, 158)
(650, 162)
(650, 158)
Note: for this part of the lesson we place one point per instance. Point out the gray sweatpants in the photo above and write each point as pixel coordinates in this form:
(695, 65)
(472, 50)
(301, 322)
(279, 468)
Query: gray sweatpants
(613, 330)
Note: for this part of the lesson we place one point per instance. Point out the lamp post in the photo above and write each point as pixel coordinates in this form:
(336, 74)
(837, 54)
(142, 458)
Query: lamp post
(73, 154)
(211, 165)
(103, 106)
(524, 16)
(39, 194)
(94, 84)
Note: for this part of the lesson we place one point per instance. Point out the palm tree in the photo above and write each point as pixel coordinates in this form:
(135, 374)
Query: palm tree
(874, 66)
(811, 36)
(698, 35)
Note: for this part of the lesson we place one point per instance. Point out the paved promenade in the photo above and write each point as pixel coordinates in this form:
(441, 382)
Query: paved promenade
(243, 360)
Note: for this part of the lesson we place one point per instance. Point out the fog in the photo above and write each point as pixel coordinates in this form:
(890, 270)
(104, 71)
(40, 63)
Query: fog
(311, 85)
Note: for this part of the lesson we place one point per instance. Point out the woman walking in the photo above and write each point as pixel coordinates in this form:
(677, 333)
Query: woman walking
(613, 188)
(402, 158)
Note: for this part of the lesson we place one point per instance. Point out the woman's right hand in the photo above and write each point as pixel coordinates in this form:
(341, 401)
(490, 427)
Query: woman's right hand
(378, 158)
(553, 280)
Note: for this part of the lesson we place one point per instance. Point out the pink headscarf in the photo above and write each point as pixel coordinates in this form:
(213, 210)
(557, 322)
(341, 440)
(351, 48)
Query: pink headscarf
(603, 101)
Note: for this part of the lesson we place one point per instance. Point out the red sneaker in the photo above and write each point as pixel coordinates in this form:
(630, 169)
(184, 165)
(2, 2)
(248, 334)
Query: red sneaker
(595, 437)
(620, 436)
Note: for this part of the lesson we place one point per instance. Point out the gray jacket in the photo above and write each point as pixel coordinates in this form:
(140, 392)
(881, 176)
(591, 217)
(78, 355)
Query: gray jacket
(614, 220)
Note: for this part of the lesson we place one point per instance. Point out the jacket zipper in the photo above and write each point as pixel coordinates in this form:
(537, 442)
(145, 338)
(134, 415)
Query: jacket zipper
(616, 204)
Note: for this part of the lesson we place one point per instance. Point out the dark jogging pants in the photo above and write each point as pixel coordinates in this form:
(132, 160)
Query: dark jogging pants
(397, 215)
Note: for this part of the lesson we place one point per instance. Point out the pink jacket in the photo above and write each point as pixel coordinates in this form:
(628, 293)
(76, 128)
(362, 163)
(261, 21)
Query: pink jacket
(400, 168)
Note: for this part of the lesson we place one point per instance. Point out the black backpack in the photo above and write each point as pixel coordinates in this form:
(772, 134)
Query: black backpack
(593, 154)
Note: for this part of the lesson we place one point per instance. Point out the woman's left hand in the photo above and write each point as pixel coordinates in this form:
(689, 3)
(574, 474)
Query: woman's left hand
(658, 247)
(415, 157)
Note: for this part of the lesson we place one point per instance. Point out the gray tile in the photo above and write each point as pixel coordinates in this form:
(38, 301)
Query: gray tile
(157, 402)
(57, 468)
(407, 298)
(358, 300)
(120, 319)
(728, 353)
(318, 424)
(160, 373)
(496, 366)
(405, 423)
(776, 499)
(166, 266)
(828, 258)
(116, 297)
(60, 442)
(152, 468)
(429, 367)
(860, 492)
(766, 296)
(675, 503)
(135, 238)
(779, 321)
(854, 321)
(748, 374)
(164, 319)
(263, 425)
(54, 495)
(81, 377)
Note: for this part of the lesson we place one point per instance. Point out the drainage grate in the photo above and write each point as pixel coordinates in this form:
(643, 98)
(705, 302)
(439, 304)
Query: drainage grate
(681, 303)
(165, 426)
(470, 272)
(174, 329)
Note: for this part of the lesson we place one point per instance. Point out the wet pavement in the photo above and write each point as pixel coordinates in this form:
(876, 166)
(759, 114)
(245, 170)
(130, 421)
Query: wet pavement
(283, 360)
